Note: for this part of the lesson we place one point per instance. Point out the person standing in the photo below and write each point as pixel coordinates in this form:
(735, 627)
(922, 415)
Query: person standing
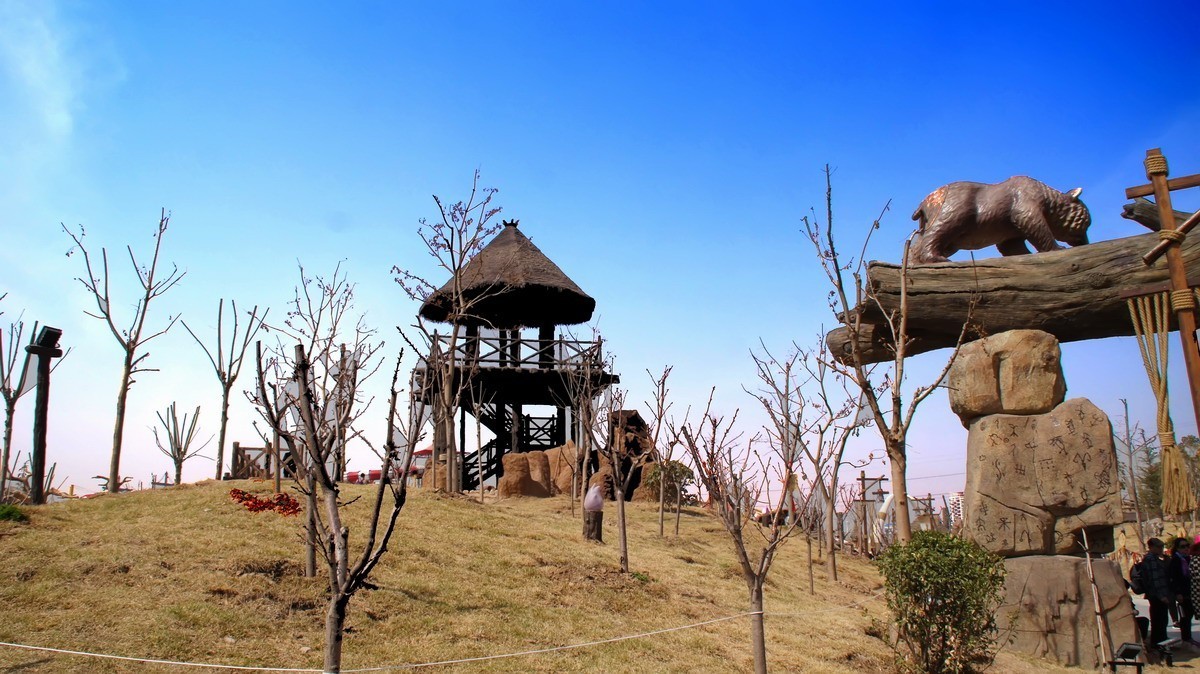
(1194, 587)
(1155, 578)
(1180, 573)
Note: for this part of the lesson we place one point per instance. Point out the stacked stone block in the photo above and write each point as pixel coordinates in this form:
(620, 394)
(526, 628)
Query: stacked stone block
(1041, 478)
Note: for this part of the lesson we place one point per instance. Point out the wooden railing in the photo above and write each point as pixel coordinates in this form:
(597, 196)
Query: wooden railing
(493, 352)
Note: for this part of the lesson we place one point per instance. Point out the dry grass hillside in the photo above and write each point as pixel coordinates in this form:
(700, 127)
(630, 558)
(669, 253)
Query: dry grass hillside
(187, 574)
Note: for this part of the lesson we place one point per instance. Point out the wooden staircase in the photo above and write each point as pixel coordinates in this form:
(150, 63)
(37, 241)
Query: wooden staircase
(536, 433)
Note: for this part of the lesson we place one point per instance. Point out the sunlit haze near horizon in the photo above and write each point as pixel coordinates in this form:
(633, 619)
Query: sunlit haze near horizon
(662, 154)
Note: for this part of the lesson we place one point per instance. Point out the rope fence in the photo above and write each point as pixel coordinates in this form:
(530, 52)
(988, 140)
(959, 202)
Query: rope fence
(440, 663)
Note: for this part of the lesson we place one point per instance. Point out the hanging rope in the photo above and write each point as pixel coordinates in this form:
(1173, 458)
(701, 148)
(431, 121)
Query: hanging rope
(1151, 315)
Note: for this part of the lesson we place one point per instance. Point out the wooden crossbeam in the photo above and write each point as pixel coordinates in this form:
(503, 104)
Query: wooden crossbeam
(1173, 185)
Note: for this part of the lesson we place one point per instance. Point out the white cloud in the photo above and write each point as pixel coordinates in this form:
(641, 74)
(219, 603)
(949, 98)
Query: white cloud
(41, 83)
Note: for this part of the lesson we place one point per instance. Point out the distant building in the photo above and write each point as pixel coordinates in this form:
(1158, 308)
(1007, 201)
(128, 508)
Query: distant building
(955, 501)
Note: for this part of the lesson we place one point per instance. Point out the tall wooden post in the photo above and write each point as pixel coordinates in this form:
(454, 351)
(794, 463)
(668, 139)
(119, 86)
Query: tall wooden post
(546, 347)
(560, 426)
(1182, 299)
(37, 458)
(515, 412)
(45, 347)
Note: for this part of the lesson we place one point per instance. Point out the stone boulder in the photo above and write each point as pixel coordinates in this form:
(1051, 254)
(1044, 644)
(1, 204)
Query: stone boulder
(1014, 372)
(637, 492)
(1050, 607)
(562, 467)
(539, 471)
(643, 492)
(1034, 482)
(604, 479)
(517, 480)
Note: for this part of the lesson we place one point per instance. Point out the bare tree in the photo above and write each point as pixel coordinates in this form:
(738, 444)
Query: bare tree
(180, 435)
(339, 351)
(624, 452)
(12, 387)
(23, 476)
(311, 397)
(886, 399)
(1133, 441)
(737, 478)
(583, 385)
(663, 443)
(133, 338)
(460, 232)
(227, 364)
(848, 499)
(321, 416)
(813, 414)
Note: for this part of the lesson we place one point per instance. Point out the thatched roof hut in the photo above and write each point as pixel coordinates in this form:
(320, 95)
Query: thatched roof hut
(512, 284)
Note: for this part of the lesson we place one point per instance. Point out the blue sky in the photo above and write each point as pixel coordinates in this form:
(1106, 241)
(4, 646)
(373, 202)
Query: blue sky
(662, 156)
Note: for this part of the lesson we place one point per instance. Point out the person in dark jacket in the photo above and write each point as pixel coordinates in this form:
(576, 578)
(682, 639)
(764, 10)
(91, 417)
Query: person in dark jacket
(1180, 573)
(1194, 553)
(1156, 582)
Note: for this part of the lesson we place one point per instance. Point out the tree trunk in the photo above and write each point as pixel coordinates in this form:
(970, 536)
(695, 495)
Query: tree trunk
(443, 446)
(1131, 463)
(758, 635)
(310, 531)
(899, 462)
(584, 454)
(622, 540)
(178, 472)
(593, 525)
(479, 458)
(10, 408)
(278, 460)
(678, 507)
(812, 583)
(114, 465)
(1073, 294)
(335, 623)
(339, 538)
(224, 425)
(830, 521)
(831, 541)
(662, 498)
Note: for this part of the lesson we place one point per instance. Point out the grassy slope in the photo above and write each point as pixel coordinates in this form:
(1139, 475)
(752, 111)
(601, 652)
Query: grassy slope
(187, 574)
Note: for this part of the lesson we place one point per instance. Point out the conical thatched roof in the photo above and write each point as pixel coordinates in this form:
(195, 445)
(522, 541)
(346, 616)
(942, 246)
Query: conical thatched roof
(511, 284)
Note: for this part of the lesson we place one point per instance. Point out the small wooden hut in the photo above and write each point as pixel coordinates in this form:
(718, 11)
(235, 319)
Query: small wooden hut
(503, 311)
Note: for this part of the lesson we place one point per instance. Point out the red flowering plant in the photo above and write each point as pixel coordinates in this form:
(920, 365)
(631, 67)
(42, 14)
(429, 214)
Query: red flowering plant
(280, 503)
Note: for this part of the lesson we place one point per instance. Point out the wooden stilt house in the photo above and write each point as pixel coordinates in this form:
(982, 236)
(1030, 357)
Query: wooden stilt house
(502, 355)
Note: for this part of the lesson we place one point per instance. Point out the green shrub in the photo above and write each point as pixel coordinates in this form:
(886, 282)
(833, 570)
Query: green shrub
(943, 592)
(12, 513)
(679, 476)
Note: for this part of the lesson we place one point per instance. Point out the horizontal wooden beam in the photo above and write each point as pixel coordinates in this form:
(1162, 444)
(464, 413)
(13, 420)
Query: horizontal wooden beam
(1154, 288)
(1173, 184)
(1073, 294)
